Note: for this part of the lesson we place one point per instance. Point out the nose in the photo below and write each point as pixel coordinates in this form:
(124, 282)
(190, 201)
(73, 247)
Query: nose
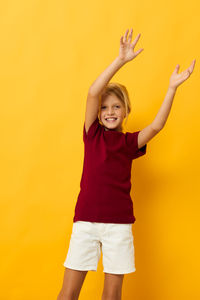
(110, 111)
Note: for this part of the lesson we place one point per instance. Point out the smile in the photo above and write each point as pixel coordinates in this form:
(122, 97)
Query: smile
(110, 120)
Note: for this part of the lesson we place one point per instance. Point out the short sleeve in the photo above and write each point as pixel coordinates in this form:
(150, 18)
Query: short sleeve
(92, 130)
(132, 144)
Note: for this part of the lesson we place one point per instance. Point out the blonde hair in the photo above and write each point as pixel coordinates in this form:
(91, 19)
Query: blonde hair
(122, 94)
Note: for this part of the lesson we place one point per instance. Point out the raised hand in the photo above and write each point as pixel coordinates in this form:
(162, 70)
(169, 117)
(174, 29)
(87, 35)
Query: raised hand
(126, 51)
(176, 79)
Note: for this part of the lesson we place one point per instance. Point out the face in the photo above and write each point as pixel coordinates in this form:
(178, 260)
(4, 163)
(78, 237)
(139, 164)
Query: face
(112, 107)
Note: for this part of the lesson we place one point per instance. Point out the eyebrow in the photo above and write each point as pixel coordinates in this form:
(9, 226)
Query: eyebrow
(113, 104)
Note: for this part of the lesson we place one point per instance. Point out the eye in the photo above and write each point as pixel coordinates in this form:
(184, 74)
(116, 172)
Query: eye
(102, 107)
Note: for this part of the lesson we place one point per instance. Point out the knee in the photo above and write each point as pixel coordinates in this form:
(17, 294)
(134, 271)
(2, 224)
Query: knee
(61, 296)
(111, 295)
(66, 296)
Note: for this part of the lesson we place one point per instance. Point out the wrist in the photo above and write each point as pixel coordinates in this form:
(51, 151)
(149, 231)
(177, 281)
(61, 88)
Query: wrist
(172, 88)
(120, 60)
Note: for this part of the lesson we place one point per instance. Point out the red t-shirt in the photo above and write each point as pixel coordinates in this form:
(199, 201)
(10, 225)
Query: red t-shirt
(106, 179)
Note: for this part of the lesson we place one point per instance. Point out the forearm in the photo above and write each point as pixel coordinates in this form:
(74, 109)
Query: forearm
(99, 84)
(164, 111)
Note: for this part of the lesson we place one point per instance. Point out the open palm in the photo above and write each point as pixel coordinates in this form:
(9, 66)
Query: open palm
(126, 51)
(176, 79)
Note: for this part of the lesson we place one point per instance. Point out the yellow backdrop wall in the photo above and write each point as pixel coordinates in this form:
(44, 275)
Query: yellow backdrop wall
(50, 53)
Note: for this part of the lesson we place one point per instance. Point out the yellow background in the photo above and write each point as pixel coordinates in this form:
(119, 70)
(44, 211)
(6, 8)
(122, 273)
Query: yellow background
(50, 53)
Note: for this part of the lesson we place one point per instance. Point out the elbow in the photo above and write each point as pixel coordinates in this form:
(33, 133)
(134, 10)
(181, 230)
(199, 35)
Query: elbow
(157, 128)
(95, 91)
(92, 92)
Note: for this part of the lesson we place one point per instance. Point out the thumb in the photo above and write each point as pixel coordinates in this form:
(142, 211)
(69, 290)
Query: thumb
(176, 69)
(140, 50)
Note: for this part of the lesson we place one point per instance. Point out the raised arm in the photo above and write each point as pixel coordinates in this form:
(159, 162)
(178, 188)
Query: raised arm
(158, 123)
(92, 104)
(126, 53)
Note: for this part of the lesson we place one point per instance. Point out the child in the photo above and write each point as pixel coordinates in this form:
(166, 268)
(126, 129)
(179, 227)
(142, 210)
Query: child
(104, 210)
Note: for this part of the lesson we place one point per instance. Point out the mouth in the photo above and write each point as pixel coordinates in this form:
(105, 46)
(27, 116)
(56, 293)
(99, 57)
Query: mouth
(110, 120)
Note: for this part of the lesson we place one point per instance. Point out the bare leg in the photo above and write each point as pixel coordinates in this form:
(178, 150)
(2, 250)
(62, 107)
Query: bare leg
(112, 286)
(72, 284)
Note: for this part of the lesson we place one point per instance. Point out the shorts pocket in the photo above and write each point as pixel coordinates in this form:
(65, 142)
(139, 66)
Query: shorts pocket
(82, 227)
(124, 227)
(117, 230)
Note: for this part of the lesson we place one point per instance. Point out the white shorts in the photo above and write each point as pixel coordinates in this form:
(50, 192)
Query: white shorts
(115, 240)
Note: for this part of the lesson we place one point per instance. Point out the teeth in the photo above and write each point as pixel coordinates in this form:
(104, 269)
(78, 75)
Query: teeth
(111, 119)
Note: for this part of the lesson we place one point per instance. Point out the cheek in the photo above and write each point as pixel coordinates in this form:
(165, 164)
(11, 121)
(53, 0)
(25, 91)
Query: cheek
(101, 115)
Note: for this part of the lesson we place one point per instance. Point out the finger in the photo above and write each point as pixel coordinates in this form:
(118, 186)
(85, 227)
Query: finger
(137, 52)
(191, 67)
(135, 40)
(176, 69)
(125, 36)
(130, 35)
(121, 40)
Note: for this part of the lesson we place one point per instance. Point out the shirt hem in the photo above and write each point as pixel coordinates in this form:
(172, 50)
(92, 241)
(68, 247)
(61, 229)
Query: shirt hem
(105, 220)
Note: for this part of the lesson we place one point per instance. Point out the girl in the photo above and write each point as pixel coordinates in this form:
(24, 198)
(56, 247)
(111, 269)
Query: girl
(104, 210)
